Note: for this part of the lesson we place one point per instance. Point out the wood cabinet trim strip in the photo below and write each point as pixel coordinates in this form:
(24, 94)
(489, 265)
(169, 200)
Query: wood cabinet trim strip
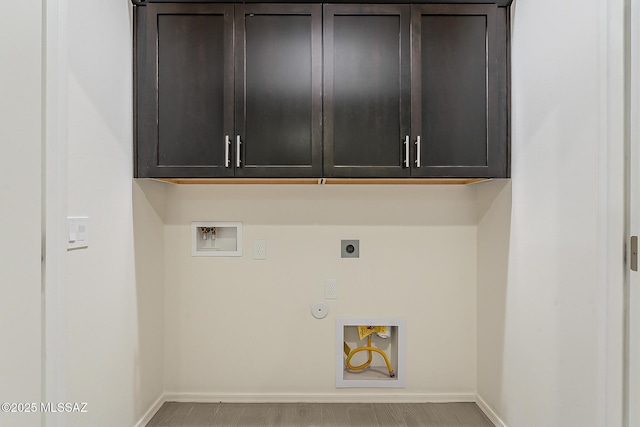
(327, 181)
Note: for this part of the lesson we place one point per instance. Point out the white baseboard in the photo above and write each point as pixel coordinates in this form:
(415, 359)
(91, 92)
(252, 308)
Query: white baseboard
(320, 397)
(151, 412)
(495, 419)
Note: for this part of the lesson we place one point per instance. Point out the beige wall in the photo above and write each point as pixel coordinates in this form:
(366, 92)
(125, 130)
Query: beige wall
(114, 307)
(20, 207)
(237, 328)
(494, 238)
(548, 275)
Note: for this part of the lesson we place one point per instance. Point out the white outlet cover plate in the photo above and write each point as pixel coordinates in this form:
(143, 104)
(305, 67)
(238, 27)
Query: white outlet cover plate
(331, 289)
(259, 249)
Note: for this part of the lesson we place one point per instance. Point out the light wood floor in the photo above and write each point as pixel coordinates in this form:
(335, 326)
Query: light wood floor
(174, 414)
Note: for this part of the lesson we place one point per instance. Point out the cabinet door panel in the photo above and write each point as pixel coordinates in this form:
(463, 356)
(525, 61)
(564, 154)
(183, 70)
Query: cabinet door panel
(454, 102)
(456, 105)
(190, 96)
(366, 90)
(278, 90)
(184, 87)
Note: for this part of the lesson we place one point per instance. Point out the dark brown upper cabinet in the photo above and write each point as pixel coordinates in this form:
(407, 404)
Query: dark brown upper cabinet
(278, 90)
(458, 87)
(184, 80)
(211, 107)
(367, 100)
(294, 90)
(439, 111)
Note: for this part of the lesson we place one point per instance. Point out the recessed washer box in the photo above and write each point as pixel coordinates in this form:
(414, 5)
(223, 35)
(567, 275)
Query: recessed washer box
(210, 238)
(377, 374)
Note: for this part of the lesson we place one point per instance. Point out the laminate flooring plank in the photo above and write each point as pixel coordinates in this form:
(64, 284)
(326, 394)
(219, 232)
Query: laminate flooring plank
(419, 414)
(337, 414)
(166, 414)
(301, 415)
(174, 414)
(262, 415)
(160, 414)
(468, 414)
(456, 415)
(228, 414)
(199, 415)
(363, 416)
(437, 415)
(399, 414)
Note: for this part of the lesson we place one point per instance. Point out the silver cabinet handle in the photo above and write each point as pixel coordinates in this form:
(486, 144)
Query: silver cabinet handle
(418, 152)
(406, 151)
(227, 143)
(238, 142)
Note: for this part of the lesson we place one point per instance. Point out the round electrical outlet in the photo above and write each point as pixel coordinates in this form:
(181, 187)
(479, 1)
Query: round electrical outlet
(319, 310)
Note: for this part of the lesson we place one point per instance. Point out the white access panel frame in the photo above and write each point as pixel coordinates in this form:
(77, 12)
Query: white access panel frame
(398, 325)
(228, 243)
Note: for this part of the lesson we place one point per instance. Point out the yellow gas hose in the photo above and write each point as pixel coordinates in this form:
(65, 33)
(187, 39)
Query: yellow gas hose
(370, 349)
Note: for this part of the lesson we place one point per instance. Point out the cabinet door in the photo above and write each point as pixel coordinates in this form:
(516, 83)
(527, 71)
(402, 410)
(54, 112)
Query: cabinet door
(366, 90)
(459, 101)
(184, 84)
(278, 90)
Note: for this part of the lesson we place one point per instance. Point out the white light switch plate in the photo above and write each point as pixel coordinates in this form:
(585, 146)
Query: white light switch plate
(78, 232)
